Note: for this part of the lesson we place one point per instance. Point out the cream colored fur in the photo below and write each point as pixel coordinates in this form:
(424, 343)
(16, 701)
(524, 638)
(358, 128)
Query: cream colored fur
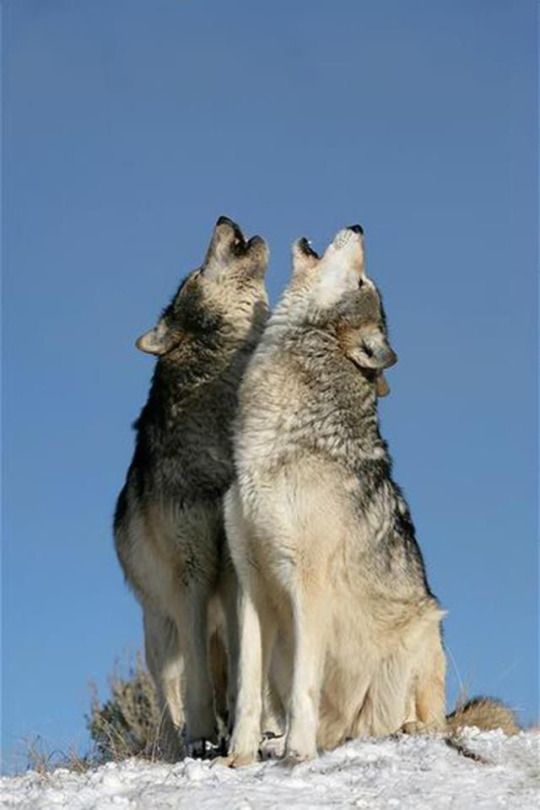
(347, 655)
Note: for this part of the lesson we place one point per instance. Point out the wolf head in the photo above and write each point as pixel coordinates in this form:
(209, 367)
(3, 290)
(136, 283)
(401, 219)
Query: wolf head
(224, 298)
(332, 292)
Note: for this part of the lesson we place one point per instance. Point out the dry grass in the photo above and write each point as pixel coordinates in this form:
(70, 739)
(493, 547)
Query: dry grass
(40, 758)
(127, 724)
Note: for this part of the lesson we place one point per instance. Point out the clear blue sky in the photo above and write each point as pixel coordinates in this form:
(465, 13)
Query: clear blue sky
(129, 126)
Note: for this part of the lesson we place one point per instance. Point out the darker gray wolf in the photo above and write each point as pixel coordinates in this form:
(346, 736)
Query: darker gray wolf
(168, 525)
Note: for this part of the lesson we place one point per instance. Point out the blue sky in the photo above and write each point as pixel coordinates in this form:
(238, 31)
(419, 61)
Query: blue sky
(129, 126)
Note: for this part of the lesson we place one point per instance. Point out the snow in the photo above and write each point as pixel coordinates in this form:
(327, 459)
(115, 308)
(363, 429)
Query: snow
(403, 772)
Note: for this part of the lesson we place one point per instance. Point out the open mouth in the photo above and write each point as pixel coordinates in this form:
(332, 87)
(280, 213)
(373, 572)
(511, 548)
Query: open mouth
(238, 235)
(306, 248)
(239, 244)
(239, 238)
(235, 240)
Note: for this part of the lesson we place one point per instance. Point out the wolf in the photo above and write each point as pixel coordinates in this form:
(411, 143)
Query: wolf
(168, 524)
(335, 605)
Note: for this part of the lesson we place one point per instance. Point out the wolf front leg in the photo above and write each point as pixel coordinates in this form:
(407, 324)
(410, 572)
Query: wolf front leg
(308, 662)
(229, 592)
(164, 661)
(192, 623)
(246, 735)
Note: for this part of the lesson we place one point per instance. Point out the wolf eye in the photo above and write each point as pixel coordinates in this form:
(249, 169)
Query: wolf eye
(360, 283)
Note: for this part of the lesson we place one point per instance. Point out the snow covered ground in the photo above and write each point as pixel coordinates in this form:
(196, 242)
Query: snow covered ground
(407, 772)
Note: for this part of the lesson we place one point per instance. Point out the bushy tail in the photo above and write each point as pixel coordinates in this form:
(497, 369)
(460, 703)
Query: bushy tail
(485, 713)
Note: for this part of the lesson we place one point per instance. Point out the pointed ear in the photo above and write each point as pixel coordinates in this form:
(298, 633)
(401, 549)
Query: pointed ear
(158, 340)
(369, 348)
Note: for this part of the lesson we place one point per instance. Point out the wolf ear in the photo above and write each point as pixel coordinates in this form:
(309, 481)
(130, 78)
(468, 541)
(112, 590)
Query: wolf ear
(371, 349)
(158, 340)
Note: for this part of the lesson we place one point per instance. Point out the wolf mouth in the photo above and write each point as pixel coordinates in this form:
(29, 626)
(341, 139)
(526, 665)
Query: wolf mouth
(305, 246)
(239, 239)
(241, 245)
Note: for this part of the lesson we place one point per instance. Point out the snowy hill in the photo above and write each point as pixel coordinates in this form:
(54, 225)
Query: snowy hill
(406, 772)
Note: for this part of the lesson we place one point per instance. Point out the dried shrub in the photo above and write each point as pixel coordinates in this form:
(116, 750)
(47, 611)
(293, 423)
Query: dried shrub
(127, 724)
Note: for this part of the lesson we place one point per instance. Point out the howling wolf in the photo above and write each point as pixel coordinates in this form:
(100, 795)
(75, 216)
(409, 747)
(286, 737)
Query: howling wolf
(335, 607)
(168, 525)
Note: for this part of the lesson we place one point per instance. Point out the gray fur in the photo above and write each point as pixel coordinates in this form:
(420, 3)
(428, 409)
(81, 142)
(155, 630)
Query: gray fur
(332, 577)
(168, 524)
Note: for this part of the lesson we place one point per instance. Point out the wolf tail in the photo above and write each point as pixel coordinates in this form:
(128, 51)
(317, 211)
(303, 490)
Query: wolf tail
(485, 713)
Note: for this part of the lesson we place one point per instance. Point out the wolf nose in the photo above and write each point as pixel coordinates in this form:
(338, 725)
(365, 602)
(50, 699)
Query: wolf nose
(356, 229)
(223, 220)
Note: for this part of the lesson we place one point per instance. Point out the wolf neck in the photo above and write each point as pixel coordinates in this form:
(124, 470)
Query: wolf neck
(346, 400)
(329, 406)
(179, 375)
(182, 383)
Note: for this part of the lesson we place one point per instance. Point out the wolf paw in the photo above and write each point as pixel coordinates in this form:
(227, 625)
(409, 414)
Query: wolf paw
(294, 756)
(236, 760)
(272, 746)
(201, 749)
(414, 727)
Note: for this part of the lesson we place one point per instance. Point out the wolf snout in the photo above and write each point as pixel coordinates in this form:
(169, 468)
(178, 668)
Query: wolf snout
(223, 220)
(350, 237)
(225, 223)
(306, 248)
(256, 241)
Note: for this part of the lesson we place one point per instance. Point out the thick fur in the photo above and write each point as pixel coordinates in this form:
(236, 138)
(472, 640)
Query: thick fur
(168, 525)
(335, 601)
(486, 714)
